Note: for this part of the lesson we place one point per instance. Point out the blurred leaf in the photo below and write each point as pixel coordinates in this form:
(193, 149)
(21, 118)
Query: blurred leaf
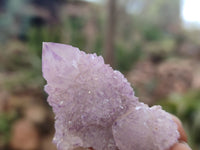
(125, 59)
(6, 121)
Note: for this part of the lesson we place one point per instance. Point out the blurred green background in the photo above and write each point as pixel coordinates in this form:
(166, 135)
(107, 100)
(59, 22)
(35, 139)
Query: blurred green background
(149, 41)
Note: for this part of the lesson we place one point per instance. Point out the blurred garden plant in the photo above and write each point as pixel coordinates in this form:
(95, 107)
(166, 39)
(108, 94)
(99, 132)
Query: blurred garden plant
(6, 121)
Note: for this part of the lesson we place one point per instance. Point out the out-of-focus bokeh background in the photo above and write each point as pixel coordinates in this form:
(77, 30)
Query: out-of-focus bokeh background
(155, 43)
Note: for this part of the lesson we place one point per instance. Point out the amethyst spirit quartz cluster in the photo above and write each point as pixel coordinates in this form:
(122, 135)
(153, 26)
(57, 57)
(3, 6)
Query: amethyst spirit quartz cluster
(95, 106)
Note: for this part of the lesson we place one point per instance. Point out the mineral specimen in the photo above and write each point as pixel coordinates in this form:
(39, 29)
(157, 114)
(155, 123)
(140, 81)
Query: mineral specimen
(95, 106)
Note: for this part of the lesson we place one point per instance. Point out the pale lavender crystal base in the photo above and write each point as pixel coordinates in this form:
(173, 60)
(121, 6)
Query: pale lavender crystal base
(91, 100)
(144, 128)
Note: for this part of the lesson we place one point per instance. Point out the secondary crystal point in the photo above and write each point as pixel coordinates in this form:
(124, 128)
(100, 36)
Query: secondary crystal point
(90, 100)
(145, 128)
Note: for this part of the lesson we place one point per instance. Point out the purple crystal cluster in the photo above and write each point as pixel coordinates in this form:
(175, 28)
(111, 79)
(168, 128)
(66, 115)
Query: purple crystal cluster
(95, 106)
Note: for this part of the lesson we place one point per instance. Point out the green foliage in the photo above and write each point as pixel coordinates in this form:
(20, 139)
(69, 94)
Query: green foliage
(98, 45)
(77, 37)
(152, 33)
(125, 59)
(6, 121)
(187, 108)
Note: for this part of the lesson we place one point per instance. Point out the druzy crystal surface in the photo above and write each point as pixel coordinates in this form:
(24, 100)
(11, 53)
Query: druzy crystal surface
(145, 129)
(95, 106)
